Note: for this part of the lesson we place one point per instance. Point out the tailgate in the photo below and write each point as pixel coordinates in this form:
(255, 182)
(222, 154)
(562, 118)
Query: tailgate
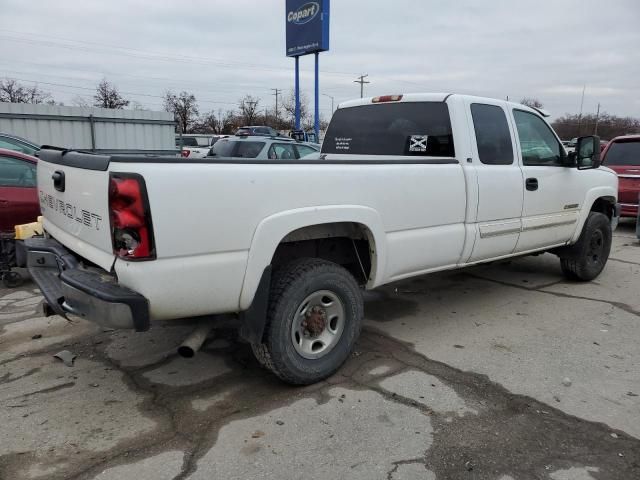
(73, 190)
(629, 187)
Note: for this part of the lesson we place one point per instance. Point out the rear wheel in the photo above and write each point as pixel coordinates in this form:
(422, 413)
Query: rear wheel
(586, 259)
(314, 319)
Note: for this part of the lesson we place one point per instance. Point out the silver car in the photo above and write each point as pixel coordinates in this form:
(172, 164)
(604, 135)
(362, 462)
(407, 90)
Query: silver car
(263, 148)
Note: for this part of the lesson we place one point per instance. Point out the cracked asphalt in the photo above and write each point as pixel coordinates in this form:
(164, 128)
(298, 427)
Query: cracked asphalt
(504, 371)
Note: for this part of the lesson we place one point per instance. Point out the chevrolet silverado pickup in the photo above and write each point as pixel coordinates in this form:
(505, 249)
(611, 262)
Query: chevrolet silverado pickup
(405, 185)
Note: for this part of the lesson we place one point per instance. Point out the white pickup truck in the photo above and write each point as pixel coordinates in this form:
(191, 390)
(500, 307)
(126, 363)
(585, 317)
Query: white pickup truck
(405, 185)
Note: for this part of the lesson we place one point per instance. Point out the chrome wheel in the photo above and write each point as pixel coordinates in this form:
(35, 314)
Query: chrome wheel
(318, 324)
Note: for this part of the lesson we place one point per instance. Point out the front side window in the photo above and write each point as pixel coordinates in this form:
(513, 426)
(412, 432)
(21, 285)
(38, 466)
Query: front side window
(282, 151)
(17, 173)
(399, 129)
(492, 134)
(538, 144)
(623, 153)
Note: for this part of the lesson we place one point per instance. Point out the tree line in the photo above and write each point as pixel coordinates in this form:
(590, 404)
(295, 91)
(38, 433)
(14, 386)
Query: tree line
(252, 110)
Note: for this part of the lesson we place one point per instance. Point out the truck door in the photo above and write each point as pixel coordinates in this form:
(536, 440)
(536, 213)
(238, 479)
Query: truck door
(500, 183)
(553, 194)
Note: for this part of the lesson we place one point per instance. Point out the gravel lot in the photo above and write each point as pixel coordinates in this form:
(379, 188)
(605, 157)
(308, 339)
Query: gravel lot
(497, 372)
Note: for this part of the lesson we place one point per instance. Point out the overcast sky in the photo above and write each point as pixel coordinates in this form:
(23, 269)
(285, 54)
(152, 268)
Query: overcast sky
(223, 49)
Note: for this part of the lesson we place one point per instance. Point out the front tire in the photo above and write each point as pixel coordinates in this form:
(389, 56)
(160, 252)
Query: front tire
(586, 259)
(314, 318)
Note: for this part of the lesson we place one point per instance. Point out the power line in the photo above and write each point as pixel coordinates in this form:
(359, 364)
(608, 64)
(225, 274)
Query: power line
(361, 80)
(124, 92)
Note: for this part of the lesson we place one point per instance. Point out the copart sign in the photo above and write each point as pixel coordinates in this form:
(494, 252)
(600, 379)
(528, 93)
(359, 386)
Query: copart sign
(307, 25)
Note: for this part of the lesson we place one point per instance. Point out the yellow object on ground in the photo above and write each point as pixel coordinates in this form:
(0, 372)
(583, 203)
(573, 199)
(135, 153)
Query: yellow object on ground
(28, 230)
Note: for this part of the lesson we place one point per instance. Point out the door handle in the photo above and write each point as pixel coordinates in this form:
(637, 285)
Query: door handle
(532, 184)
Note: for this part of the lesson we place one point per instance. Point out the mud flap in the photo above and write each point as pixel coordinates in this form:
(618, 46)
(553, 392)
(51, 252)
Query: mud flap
(252, 320)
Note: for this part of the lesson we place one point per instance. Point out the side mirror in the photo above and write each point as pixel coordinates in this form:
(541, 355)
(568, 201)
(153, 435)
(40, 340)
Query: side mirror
(587, 153)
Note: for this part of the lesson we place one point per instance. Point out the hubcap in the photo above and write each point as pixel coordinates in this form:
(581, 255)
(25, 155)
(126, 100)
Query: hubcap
(318, 324)
(596, 247)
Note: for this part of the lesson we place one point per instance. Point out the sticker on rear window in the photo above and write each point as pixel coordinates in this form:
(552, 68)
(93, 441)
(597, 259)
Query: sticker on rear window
(418, 143)
(343, 143)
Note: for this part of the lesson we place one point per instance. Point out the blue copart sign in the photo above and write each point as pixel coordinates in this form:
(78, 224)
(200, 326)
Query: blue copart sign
(307, 26)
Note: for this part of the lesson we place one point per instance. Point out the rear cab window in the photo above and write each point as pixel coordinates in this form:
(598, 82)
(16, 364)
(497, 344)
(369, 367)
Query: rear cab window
(420, 129)
(623, 152)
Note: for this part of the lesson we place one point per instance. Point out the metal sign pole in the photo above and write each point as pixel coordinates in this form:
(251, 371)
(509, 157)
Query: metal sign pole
(317, 101)
(297, 94)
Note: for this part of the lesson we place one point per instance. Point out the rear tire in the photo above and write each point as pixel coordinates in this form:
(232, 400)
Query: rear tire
(586, 259)
(314, 318)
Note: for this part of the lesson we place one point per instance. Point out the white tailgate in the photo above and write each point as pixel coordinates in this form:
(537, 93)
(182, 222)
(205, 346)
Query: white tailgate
(78, 217)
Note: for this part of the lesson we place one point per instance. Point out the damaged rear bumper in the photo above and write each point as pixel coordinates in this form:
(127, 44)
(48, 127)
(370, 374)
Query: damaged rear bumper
(71, 290)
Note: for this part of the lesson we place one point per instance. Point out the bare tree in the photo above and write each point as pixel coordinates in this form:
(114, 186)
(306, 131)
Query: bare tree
(248, 109)
(14, 92)
(609, 126)
(289, 107)
(184, 109)
(107, 96)
(208, 123)
(532, 102)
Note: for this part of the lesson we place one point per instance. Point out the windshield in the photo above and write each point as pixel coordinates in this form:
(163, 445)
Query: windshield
(623, 153)
(415, 129)
(237, 148)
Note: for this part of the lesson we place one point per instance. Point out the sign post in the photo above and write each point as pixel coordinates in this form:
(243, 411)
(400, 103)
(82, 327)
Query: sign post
(307, 32)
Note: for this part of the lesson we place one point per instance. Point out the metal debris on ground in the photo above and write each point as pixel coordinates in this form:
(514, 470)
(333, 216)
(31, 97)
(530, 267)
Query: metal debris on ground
(66, 356)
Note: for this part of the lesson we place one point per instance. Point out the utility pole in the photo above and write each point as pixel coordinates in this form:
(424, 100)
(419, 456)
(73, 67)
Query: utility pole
(581, 105)
(361, 80)
(276, 92)
(597, 120)
(332, 98)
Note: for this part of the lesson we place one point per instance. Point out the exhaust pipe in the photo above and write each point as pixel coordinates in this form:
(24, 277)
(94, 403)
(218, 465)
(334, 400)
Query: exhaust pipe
(194, 341)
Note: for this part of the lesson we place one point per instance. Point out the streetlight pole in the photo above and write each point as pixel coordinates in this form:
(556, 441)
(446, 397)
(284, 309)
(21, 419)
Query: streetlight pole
(332, 98)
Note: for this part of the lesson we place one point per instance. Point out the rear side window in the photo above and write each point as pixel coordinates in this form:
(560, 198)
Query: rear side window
(623, 153)
(17, 173)
(402, 129)
(249, 149)
(492, 134)
(223, 148)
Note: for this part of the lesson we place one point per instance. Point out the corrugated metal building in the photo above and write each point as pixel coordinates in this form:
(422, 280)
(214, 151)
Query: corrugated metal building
(96, 129)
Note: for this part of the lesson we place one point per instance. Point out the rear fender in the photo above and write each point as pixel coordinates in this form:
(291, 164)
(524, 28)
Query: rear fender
(273, 229)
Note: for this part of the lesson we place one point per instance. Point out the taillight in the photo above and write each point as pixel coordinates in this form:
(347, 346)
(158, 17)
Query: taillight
(185, 153)
(131, 228)
(386, 98)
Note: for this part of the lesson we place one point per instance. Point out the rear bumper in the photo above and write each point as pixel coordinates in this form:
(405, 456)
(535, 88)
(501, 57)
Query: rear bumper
(71, 290)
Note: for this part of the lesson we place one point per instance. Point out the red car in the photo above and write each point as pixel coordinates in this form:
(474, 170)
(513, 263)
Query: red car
(18, 192)
(622, 154)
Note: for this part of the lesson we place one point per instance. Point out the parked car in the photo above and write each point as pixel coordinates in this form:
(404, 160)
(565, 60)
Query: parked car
(434, 182)
(279, 148)
(196, 146)
(622, 155)
(18, 144)
(18, 193)
(259, 130)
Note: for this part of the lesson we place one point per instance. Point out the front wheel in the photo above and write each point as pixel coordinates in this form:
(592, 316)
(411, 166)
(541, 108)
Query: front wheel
(314, 319)
(585, 260)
